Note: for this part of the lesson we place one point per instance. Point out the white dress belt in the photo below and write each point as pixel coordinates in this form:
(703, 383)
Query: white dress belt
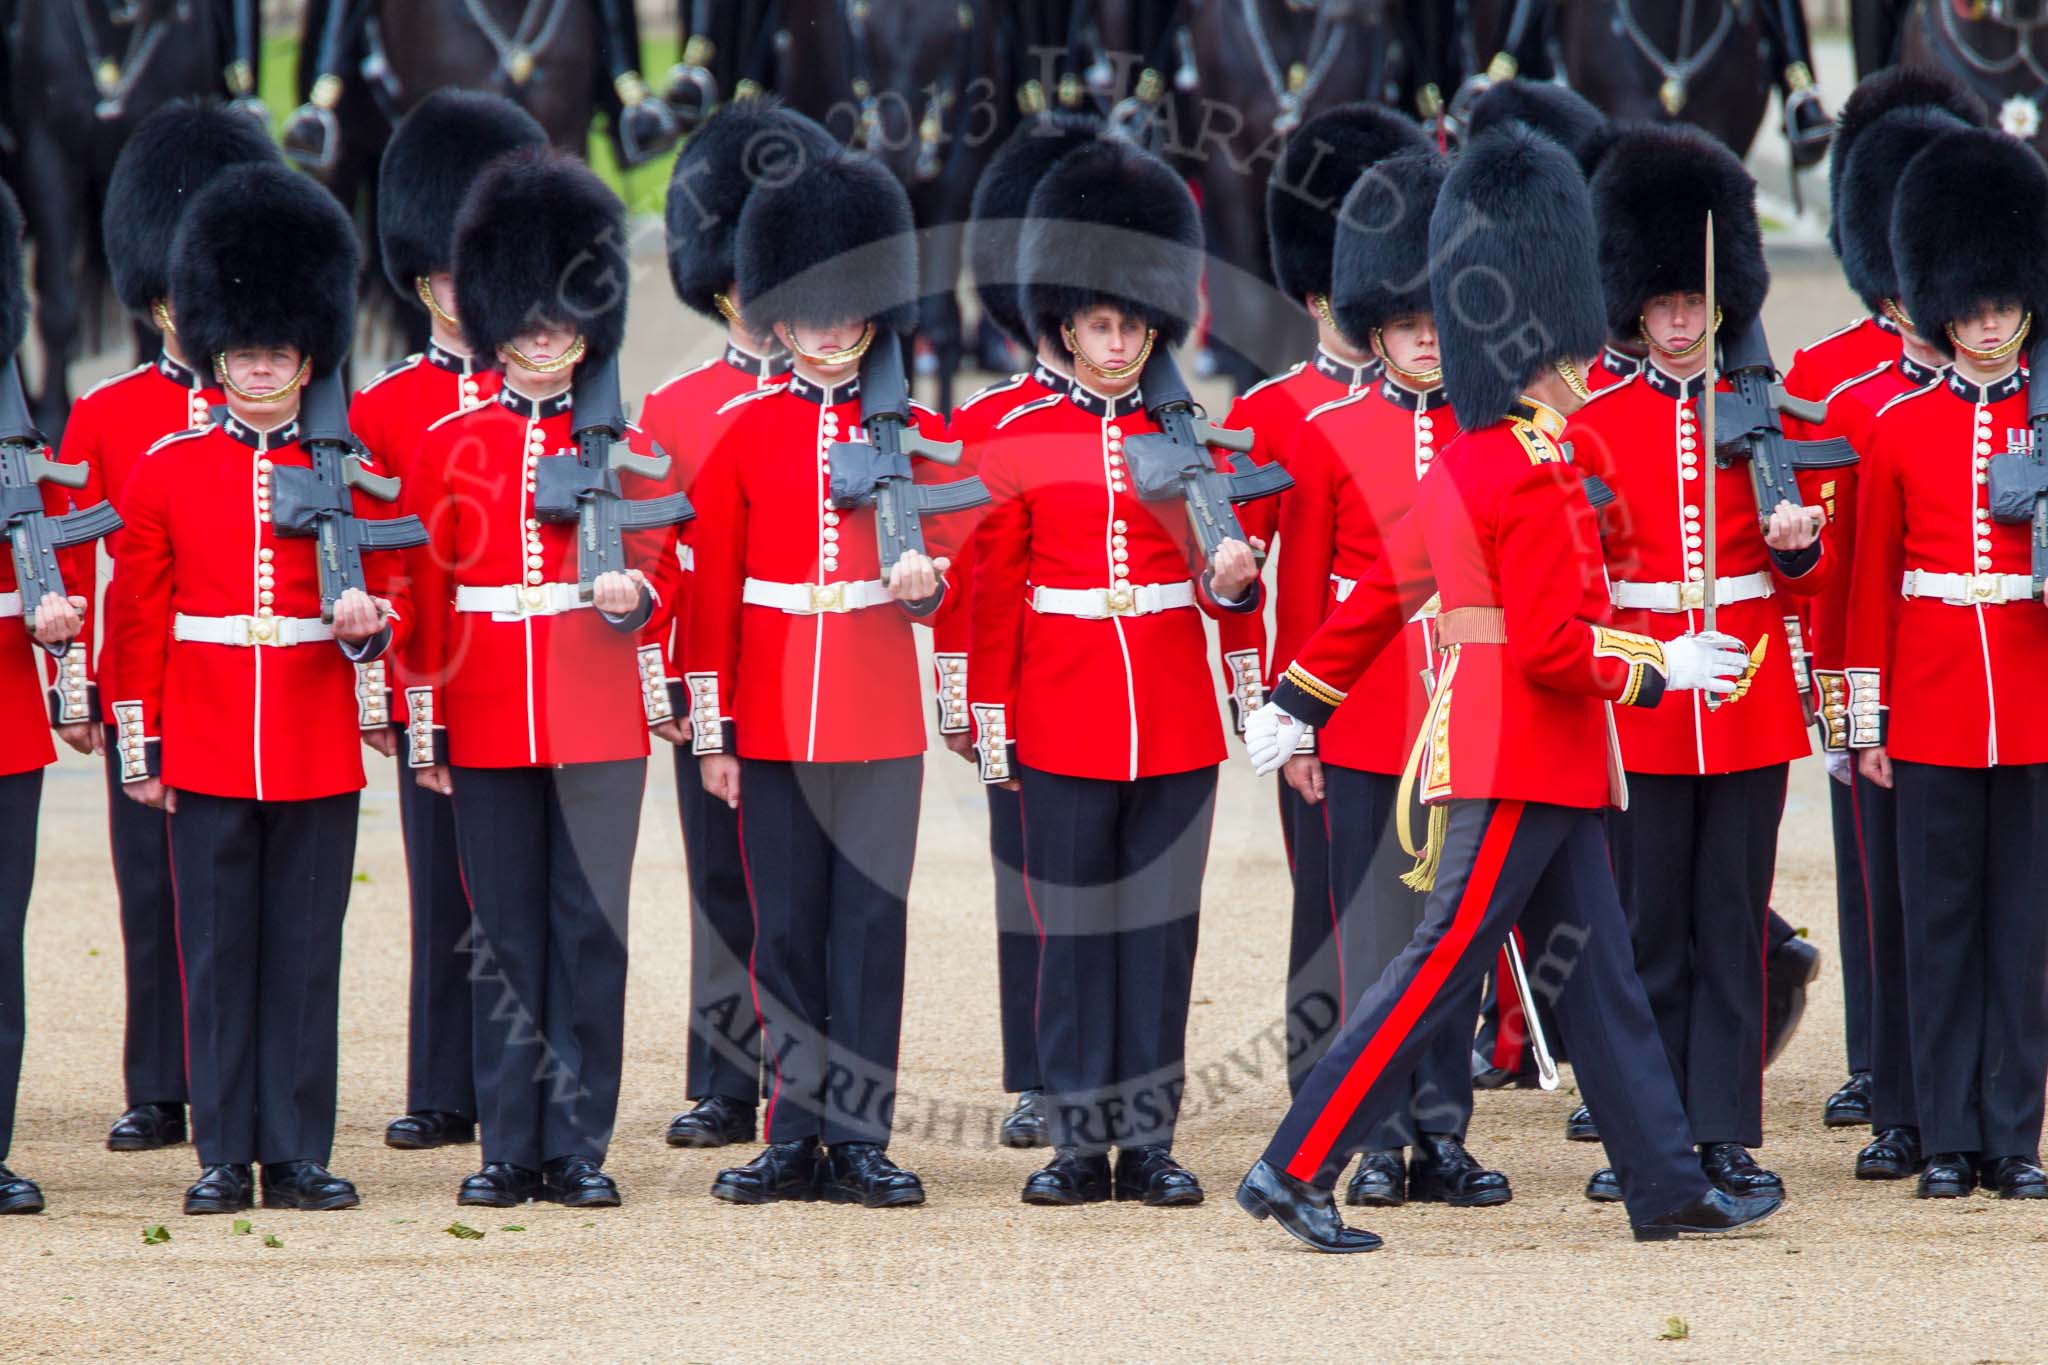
(10, 604)
(517, 601)
(1676, 597)
(1969, 589)
(1100, 604)
(815, 599)
(246, 632)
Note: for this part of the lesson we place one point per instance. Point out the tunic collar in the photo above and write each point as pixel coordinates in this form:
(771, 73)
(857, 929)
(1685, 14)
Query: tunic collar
(441, 358)
(756, 366)
(1351, 376)
(1411, 400)
(1620, 363)
(1971, 392)
(1100, 405)
(534, 409)
(1670, 385)
(825, 394)
(255, 439)
(184, 376)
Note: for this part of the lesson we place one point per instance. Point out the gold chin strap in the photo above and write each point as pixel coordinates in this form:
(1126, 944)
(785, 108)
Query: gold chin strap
(1643, 331)
(1414, 379)
(1115, 374)
(726, 310)
(1996, 353)
(561, 362)
(1573, 380)
(160, 312)
(1321, 303)
(830, 359)
(276, 395)
(1897, 314)
(425, 290)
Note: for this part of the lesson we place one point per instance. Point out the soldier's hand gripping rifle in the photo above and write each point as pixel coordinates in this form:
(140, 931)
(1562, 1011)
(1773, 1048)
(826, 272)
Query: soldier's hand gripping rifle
(1746, 425)
(1175, 460)
(878, 471)
(317, 502)
(2018, 479)
(584, 487)
(33, 535)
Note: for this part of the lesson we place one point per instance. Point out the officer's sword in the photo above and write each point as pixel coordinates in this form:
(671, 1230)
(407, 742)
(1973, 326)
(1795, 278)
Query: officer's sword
(1532, 1025)
(1710, 466)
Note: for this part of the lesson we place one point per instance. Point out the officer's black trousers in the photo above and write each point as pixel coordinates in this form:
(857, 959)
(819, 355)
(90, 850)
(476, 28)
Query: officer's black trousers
(262, 888)
(1315, 997)
(1546, 867)
(21, 798)
(1016, 942)
(1973, 846)
(1693, 858)
(829, 849)
(1852, 925)
(439, 1073)
(153, 1047)
(724, 1054)
(548, 856)
(1115, 871)
(1893, 1101)
(1377, 918)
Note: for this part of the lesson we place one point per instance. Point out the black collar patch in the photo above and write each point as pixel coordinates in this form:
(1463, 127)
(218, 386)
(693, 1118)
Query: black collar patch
(1670, 385)
(1095, 404)
(1917, 374)
(254, 439)
(184, 376)
(1353, 377)
(756, 366)
(534, 409)
(1620, 363)
(1971, 392)
(825, 394)
(1410, 400)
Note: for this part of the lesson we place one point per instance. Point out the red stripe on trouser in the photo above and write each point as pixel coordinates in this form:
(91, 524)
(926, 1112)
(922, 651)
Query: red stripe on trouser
(1416, 999)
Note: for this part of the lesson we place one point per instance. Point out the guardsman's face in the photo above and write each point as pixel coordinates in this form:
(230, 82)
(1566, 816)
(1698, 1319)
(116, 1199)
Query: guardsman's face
(262, 370)
(832, 340)
(1108, 337)
(545, 341)
(1675, 322)
(1410, 342)
(1991, 326)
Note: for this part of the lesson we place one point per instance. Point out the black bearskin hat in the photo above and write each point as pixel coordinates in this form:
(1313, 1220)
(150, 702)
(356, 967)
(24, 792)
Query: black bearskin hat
(834, 243)
(1868, 183)
(431, 161)
(1381, 269)
(1001, 199)
(1889, 91)
(265, 257)
(14, 305)
(1651, 198)
(1970, 227)
(540, 237)
(1305, 191)
(1559, 113)
(1112, 224)
(164, 164)
(1514, 280)
(748, 143)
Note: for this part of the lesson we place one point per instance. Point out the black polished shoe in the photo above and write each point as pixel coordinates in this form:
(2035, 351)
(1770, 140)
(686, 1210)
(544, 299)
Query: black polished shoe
(1788, 971)
(1024, 1126)
(1849, 1107)
(1150, 1175)
(714, 1121)
(1947, 1175)
(2015, 1177)
(307, 1186)
(147, 1127)
(1309, 1214)
(499, 1185)
(424, 1128)
(1579, 1126)
(222, 1189)
(1604, 1187)
(861, 1173)
(1441, 1171)
(1729, 1168)
(1715, 1211)
(784, 1170)
(1071, 1177)
(1893, 1154)
(1381, 1182)
(18, 1195)
(577, 1182)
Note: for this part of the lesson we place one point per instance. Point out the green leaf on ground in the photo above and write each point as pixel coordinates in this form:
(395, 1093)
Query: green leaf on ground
(156, 1234)
(271, 1239)
(513, 1227)
(242, 1227)
(462, 1230)
(1675, 1329)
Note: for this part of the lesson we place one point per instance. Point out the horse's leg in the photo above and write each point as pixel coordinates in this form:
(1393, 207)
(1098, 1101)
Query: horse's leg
(52, 205)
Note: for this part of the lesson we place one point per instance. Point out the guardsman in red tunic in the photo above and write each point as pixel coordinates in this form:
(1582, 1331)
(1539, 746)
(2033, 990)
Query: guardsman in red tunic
(434, 155)
(804, 684)
(236, 709)
(1696, 848)
(1001, 198)
(1357, 465)
(525, 696)
(1517, 760)
(1083, 587)
(1304, 202)
(167, 159)
(744, 143)
(1948, 639)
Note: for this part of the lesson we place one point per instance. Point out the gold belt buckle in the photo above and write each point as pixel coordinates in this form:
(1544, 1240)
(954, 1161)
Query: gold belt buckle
(533, 598)
(1985, 587)
(1692, 596)
(827, 596)
(261, 628)
(1121, 601)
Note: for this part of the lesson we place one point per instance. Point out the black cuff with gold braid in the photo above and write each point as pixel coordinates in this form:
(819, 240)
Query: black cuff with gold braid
(1306, 697)
(1833, 711)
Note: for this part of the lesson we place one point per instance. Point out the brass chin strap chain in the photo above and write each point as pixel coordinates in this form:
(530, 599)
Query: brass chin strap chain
(160, 312)
(1321, 303)
(1573, 380)
(562, 362)
(425, 290)
(1414, 379)
(276, 395)
(1897, 314)
(1115, 374)
(831, 359)
(1688, 352)
(1996, 353)
(726, 310)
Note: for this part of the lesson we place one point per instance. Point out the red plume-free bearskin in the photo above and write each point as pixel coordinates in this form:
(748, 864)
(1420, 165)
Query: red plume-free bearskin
(1381, 262)
(162, 167)
(1112, 224)
(1651, 197)
(433, 158)
(1868, 183)
(1970, 227)
(265, 257)
(1561, 114)
(1305, 191)
(1886, 92)
(748, 143)
(834, 244)
(1002, 197)
(541, 239)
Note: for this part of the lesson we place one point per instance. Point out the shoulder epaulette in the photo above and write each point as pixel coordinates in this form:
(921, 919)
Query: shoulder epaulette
(447, 417)
(396, 367)
(989, 391)
(1850, 383)
(1929, 387)
(1335, 403)
(1841, 331)
(112, 380)
(680, 376)
(1279, 378)
(1616, 387)
(177, 436)
(749, 396)
(1033, 406)
(1539, 447)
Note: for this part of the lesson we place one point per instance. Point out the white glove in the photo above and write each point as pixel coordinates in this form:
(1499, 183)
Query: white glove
(1709, 661)
(1270, 735)
(1841, 765)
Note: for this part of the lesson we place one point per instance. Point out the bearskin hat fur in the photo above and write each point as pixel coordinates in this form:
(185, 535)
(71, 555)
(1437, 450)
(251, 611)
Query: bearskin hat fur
(14, 305)
(265, 257)
(433, 158)
(748, 143)
(540, 237)
(1514, 279)
(1970, 227)
(164, 164)
(836, 242)
(1561, 114)
(1884, 92)
(1651, 198)
(1305, 191)
(1381, 262)
(1112, 224)
(1001, 199)
(1863, 219)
